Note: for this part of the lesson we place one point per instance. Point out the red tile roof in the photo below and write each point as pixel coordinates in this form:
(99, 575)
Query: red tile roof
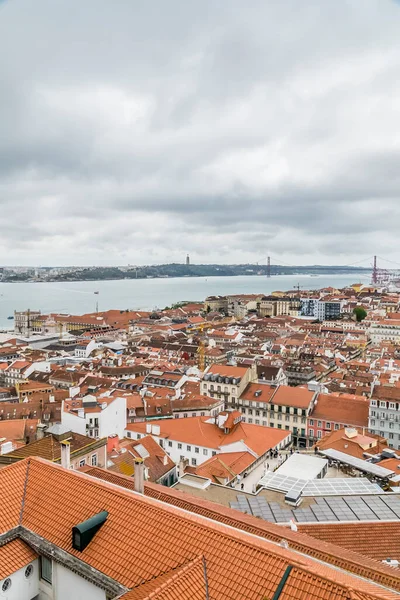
(14, 556)
(377, 540)
(202, 431)
(342, 408)
(323, 551)
(292, 396)
(143, 539)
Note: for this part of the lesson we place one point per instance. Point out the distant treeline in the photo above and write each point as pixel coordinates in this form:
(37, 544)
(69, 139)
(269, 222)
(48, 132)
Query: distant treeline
(182, 270)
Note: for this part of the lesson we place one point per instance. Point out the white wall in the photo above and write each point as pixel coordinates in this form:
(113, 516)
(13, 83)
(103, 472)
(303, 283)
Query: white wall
(113, 418)
(175, 453)
(68, 585)
(21, 587)
(73, 422)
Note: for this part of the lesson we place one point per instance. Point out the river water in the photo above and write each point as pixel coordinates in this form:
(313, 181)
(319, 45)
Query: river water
(146, 294)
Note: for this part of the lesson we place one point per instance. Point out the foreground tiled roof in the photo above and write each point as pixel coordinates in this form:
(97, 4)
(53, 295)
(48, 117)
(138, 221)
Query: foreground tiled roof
(376, 540)
(321, 550)
(14, 556)
(143, 539)
(188, 581)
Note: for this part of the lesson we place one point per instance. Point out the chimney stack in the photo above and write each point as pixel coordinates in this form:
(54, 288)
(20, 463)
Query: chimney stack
(139, 475)
(40, 428)
(65, 454)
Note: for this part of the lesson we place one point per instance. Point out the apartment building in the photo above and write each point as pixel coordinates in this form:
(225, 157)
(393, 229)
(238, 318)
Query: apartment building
(203, 437)
(282, 407)
(226, 382)
(384, 330)
(384, 414)
(96, 417)
(275, 306)
(335, 411)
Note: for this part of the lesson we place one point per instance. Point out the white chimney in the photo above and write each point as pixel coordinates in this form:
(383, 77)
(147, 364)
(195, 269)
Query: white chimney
(65, 454)
(139, 475)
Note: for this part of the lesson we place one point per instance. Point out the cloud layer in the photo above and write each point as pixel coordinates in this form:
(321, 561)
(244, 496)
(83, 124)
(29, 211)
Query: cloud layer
(139, 131)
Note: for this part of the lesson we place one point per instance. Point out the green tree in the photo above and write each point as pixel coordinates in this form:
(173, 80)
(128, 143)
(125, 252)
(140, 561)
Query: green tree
(360, 313)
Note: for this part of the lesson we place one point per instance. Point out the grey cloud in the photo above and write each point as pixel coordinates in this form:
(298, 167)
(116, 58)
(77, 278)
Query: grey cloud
(152, 129)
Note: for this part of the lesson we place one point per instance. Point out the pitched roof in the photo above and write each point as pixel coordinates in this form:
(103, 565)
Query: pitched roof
(202, 431)
(227, 370)
(13, 556)
(225, 465)
(187, 582)
(50, 448)
(157, 462)
(342, 408)
(250, 392)
(376, 540)
(323, 551)
(292, 396)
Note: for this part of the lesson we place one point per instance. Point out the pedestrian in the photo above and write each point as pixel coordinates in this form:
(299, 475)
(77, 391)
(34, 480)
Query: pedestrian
(242, 487)
(267, 466)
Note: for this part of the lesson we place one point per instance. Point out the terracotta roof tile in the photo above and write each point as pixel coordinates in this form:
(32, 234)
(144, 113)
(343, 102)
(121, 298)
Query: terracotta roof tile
(143, 539)
(199, 432)
(342, 408)
(321, 550)
(292, 396)
(13, 556)
(378, 540)
(185, 583)
(12, 483)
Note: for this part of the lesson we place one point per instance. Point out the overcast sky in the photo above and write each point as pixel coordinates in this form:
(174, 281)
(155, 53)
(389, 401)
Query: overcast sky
(135, 131)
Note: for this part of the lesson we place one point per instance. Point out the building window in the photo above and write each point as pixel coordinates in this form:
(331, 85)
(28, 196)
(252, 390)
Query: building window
(93, 460)
(197, 451)
(176, 416)
(287, 418)
(392, 405)
(28, 571)
(189, 448)
(214, 453)
(205, 451)
(179, 446)
(373, 402)
(46, 569)
(337, 426)
(391, 436)
(82, 462)
(185, 415)
(250, 421)
(328, 425)
(128, 433)
(312, 422)
(170, 444)
(194, 415)
(257, 421)
(194, 462)
(202, 414)
(319, 424)
(319, 434)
